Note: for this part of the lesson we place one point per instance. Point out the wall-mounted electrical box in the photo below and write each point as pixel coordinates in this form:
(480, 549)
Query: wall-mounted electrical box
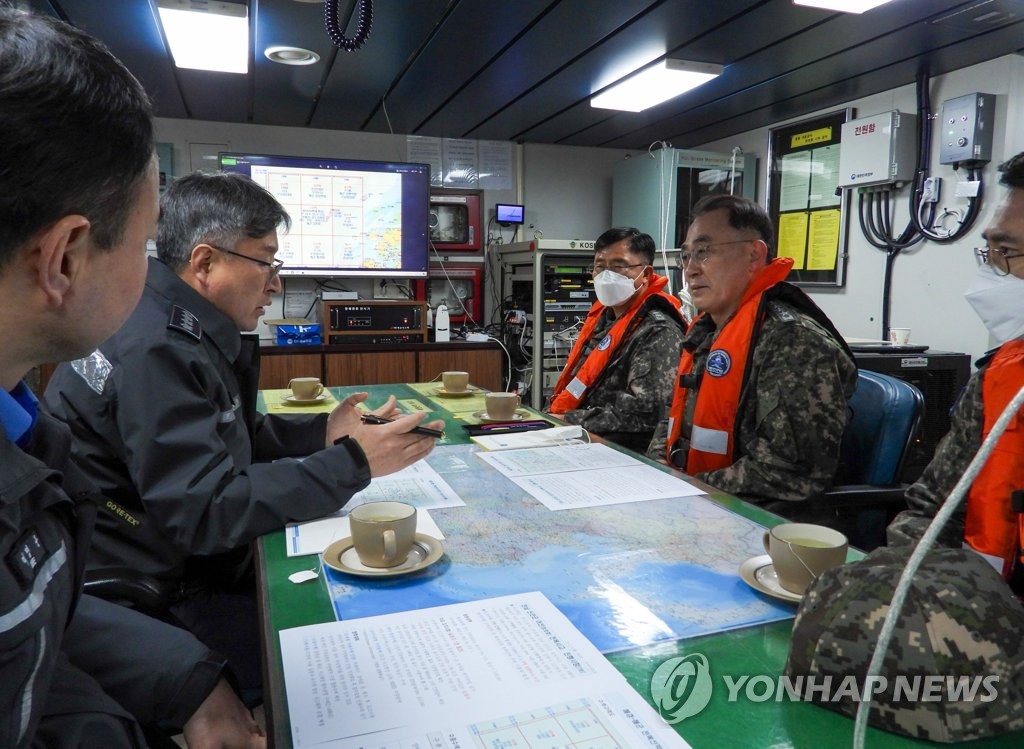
(966, 135)
(878, 150)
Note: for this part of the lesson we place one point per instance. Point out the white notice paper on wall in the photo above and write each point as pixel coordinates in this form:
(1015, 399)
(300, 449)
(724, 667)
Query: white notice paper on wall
(506, 671)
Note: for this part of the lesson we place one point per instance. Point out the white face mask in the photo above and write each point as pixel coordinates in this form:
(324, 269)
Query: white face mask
(612, 288)
(999, 302)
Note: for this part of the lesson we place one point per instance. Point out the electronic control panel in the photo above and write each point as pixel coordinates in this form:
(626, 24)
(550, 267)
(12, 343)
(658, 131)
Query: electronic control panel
(365, 321)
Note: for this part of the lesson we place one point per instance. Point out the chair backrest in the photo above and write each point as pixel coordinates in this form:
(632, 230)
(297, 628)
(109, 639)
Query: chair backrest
(885, 413)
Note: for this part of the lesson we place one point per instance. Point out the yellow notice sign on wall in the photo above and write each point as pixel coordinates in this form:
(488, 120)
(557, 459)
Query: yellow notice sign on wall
(820, 135)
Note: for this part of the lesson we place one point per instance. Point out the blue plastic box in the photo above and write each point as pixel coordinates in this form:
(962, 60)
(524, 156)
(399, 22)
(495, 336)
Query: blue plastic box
(298, 335)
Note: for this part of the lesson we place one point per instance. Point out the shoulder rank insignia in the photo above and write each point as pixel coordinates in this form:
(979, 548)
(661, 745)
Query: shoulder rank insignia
(186, 322)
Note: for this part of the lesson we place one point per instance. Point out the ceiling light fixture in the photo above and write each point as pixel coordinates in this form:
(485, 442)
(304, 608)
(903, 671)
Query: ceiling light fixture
(205, 35)
(291, 55)
(655, 84)
(844, 6)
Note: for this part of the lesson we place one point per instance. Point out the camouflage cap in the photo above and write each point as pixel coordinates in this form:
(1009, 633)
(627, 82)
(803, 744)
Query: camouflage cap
(954, 670)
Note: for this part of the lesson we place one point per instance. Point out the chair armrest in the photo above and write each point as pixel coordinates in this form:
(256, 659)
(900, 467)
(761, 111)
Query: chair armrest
(863, 497)
(130, 588)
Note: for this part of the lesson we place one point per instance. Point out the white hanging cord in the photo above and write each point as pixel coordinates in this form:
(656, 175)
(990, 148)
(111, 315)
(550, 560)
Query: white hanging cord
(923, 547)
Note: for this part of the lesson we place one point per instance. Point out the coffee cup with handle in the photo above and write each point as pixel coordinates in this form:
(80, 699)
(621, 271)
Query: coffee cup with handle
(501, 405)
(383, 532)
(802, 551)
(306, 388)
(455, 382)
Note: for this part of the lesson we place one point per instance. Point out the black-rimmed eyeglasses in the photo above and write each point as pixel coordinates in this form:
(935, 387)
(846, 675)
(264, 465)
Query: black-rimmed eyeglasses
(998, 258)
(274, 267)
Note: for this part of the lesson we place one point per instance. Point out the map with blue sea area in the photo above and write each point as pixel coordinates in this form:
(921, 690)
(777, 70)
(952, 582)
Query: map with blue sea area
(626, 575)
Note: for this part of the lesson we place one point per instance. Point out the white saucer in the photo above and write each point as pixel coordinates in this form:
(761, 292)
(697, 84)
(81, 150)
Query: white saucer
(456, 393)
(341, 556)
(517, 416)
(759, 574)
(291, 400)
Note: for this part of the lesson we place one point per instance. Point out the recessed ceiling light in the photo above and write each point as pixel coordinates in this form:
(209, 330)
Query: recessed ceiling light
(844, 6)
(207, 35)
(653, 85)
(291, 55)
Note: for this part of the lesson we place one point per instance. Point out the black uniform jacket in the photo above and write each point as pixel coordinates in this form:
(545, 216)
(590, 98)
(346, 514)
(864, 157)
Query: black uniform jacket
(65, 656)
(165, 425)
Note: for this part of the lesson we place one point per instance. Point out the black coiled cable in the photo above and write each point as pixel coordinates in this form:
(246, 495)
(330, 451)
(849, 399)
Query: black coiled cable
(364, 13)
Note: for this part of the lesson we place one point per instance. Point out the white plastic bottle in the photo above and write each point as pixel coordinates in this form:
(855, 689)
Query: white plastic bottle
(442, 325)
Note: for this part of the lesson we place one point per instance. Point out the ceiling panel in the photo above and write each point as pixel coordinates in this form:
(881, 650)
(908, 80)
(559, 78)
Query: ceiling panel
(359, 79)
(524, 70)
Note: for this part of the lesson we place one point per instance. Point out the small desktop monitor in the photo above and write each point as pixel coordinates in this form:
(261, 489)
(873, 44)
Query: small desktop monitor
(349, 217)
(508, 213)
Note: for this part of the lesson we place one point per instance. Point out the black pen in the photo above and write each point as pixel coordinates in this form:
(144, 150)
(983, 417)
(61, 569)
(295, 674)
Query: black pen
(374, 419)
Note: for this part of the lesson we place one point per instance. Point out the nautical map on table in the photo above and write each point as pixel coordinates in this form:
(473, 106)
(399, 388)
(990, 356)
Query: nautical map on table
(625, 575)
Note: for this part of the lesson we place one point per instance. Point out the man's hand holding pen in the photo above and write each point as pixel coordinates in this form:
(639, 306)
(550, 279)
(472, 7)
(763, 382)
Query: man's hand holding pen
(389, 441)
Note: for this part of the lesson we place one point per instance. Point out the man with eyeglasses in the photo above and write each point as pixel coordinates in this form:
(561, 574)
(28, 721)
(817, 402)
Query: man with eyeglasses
(991, 520)
(760, 401)
(617, 381)
(164, 420)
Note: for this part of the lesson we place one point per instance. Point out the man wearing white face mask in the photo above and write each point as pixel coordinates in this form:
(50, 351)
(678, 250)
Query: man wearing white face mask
(991, 522)
(618, 379)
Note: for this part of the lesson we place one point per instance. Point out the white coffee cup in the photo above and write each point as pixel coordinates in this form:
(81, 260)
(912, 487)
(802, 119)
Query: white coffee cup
(455, 382)
(306, 388)
(802, 551)
(383, 532)
(501, 405)
(899, 336)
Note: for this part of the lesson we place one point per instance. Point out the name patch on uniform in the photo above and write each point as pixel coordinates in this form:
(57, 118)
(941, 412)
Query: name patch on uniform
(186, 322)
(605, 342)
(719, 363)
(28, 554)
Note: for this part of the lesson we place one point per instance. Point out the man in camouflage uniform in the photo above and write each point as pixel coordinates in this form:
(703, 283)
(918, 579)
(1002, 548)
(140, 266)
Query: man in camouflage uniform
(617, 381)
(761, 398)
(989, 521)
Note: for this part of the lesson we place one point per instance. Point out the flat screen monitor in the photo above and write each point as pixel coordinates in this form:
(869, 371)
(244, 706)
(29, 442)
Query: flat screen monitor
(349, 218)
(508, 213)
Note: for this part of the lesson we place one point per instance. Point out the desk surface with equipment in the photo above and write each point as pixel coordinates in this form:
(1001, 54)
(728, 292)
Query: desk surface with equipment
(644, 581)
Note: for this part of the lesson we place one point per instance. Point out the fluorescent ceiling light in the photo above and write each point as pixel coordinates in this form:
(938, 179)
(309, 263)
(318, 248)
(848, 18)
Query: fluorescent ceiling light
(207, 35)
(844, 6)
(661, 82)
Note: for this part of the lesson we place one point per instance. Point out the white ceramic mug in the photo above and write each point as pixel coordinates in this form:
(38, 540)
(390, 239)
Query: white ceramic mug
(306, 388)
(455, 382)
(802, 551)
(501, 405)
(383, 532)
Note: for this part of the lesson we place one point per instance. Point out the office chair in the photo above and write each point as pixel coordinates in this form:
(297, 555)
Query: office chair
(885, 414)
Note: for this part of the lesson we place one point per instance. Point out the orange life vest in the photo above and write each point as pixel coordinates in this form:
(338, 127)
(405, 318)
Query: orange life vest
(992, 527)
(718, 397)
(573, 384)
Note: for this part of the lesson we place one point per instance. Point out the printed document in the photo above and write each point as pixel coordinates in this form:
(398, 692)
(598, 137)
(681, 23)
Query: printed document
(509, 671)
(574, 476)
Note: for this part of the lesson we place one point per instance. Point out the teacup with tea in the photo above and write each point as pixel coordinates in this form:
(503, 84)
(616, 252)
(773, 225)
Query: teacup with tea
(802, 551)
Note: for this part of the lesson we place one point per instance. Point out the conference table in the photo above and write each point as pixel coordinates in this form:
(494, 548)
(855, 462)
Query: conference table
(740, 632)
